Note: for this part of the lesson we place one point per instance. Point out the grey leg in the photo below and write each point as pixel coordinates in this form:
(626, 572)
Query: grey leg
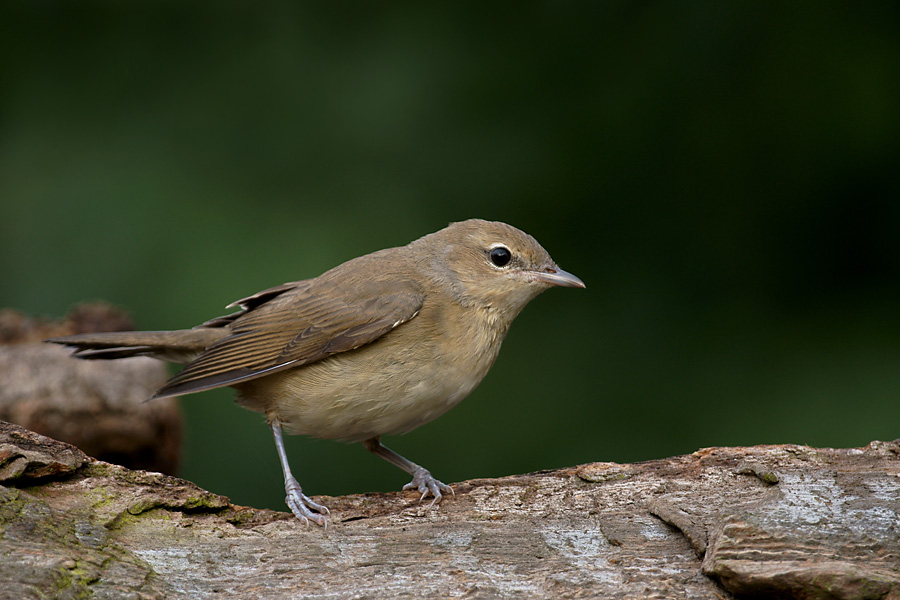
(299, 503)
(422, 479)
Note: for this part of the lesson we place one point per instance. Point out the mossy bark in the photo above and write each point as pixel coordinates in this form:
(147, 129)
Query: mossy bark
(767, 521)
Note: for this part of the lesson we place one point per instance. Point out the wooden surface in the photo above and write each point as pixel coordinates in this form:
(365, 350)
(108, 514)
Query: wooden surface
(768, 521)
(98, 406)
(761, 522)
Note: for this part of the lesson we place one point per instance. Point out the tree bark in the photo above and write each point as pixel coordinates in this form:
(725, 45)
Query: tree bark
(767, 521)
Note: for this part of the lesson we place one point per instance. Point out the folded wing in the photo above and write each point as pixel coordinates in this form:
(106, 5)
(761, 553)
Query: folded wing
(296, 326)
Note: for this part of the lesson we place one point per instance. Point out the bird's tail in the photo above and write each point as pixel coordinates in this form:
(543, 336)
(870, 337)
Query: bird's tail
(180, 346)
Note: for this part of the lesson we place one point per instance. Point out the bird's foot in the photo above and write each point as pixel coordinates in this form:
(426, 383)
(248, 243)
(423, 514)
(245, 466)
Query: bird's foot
(301, 505)
(426, 484)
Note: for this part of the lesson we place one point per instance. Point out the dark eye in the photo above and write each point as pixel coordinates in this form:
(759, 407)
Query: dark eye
(500, 256)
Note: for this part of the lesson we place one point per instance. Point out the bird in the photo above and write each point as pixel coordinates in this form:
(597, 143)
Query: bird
(378, 345)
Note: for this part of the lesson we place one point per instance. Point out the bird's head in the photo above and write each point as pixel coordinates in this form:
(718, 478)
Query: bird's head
(493, 265)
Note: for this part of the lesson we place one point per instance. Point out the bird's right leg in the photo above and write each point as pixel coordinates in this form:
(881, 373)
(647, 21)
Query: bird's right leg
(300, 504)
(422, 478)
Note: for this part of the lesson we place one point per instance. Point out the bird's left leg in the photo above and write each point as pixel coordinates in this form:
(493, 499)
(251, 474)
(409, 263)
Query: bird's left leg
(422, 479)
(300, 504)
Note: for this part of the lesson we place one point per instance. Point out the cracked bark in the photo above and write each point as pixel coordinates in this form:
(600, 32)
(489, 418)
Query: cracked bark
(818, 523)
(767, 521)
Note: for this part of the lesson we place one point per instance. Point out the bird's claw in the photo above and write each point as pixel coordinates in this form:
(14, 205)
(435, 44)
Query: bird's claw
(425, 484)
(302, 506)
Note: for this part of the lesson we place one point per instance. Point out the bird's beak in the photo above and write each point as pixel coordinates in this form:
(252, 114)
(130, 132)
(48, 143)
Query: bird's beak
(556, 276)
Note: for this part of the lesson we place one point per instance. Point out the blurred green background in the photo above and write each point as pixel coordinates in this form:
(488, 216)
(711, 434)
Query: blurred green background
(723, 176)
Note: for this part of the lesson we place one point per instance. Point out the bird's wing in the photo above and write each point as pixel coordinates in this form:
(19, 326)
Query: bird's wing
(298, 327)
(256, 300)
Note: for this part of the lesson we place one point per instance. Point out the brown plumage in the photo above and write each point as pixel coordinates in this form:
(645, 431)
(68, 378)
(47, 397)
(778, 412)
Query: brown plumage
(377, 345)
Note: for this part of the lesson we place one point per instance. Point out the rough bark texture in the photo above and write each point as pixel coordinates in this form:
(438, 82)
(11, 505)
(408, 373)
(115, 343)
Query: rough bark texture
(767, 521)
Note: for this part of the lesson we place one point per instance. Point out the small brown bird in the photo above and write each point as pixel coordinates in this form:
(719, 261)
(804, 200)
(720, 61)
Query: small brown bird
(378, 345)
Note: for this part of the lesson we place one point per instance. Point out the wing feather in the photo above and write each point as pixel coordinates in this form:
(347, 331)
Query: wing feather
(294, 325)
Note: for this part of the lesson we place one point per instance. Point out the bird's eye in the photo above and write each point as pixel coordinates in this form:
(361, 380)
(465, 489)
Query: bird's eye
(500, 256)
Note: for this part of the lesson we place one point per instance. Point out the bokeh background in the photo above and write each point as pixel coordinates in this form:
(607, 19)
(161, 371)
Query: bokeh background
(723, 176)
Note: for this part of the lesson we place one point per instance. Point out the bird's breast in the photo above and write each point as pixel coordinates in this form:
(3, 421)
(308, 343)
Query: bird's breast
(393, 385)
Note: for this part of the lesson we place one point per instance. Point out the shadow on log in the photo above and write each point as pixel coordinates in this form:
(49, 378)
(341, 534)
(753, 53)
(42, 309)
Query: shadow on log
(768, 521)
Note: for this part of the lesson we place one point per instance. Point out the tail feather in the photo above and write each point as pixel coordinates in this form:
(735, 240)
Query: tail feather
(181, 346)
(113, 353)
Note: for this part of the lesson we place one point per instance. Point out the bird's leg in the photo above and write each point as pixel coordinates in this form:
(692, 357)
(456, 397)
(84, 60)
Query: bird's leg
(299, 503)
(422, 479)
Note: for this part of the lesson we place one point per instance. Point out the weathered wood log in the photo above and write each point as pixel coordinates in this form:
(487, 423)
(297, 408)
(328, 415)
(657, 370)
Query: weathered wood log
(767, 521)
(96, 405)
